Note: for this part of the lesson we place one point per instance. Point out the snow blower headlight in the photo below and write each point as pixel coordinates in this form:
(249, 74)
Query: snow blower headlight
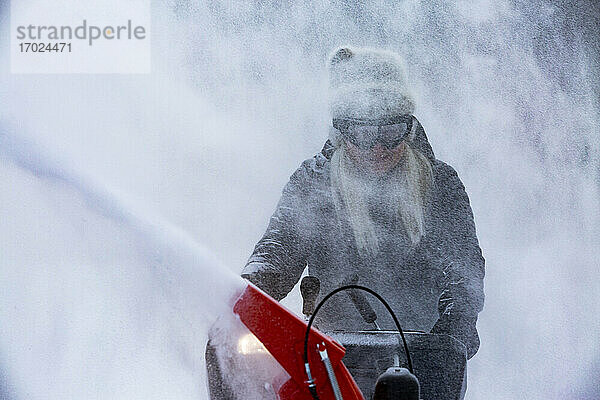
(249, 344)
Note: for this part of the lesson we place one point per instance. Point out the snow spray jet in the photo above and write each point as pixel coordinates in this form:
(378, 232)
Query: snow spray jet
(97, 300)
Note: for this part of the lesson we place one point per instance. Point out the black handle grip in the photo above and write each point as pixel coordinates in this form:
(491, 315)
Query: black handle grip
(309, 289)
(360, 302)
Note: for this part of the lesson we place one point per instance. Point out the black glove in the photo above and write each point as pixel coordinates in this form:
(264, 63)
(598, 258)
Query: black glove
(462, 328)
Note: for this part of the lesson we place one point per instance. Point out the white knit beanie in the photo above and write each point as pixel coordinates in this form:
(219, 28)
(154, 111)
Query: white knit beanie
(367, 83)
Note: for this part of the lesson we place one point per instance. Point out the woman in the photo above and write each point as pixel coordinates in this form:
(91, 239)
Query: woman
(376, 205)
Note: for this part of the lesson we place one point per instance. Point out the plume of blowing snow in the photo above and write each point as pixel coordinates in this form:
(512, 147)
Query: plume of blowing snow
(98, 302)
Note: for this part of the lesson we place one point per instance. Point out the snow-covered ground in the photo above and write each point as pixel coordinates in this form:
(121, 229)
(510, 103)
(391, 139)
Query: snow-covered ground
(115, 186)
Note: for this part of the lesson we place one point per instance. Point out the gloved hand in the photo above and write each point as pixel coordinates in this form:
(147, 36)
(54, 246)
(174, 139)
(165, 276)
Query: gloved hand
(459, 327)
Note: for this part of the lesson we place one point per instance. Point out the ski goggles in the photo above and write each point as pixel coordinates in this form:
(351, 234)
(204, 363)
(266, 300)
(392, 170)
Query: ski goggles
(365, 134)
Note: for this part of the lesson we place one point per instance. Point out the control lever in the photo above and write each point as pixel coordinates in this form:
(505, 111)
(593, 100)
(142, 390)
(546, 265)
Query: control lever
(360, 302)
(309, 289)
(330, 373)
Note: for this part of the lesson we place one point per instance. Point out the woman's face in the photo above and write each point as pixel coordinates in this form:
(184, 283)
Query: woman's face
(378, 160)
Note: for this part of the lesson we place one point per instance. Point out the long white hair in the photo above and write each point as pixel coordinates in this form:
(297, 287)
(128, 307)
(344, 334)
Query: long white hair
(406, 189)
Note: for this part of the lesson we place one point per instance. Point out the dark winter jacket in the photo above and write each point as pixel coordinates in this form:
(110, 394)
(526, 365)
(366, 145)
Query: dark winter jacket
(436, 286)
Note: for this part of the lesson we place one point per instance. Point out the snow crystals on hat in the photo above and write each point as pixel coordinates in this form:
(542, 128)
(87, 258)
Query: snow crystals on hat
(367, 83)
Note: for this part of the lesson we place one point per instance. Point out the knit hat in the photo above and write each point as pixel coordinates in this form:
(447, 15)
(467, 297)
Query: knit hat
(367, 83)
